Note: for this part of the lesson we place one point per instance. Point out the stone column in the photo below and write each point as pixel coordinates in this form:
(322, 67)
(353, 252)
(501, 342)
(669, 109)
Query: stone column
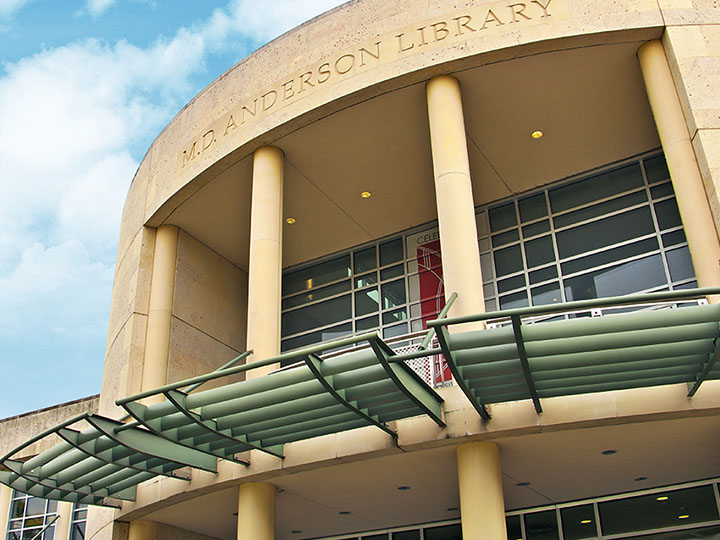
(681, 161)
(265, 272)
(5, 501)
(142, 530)
(256, 511)
(482, 508)
(62, 525)
(453, 191)
(162, 287)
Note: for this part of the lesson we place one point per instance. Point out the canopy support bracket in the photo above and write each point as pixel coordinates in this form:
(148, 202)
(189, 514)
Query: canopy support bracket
(706, 371)
(517, 332)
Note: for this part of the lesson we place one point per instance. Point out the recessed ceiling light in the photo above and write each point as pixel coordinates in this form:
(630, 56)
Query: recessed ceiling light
(296, 531)
(522, 484)
(290, 220)
(366, 194)
(641, 478)
(609, 452)
(403, 488)
(452, 509)
(344, 513)
(537, 134)
(586, 521)
(662, 498)
(235, 513)
(684, 516)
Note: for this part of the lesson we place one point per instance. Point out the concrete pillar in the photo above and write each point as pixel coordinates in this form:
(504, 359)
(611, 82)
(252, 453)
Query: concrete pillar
(265, 272)
(482, 508)
(681, 161)
(453, 191)
(5, 500)
(162, 287)
(256, 511)
(62, 525)
(142, 530)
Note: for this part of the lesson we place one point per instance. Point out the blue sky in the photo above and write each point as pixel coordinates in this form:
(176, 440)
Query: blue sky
(85, 86)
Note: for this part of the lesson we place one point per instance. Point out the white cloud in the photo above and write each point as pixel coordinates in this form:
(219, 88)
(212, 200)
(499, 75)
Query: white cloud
(98, 7)
(10, 7)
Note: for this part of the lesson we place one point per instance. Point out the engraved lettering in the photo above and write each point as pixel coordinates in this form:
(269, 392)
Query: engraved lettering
(520, 11)
(400, 44)
(288, 91)
(544, 7)
(463, 21)
(230, 125)
(305, 79)
(421, 31)
(440, 30)
(324, 69)
(245, 109)
(364, 51)
(189, 155)
(265, 105)
(491, 17)
(206, 144)
(350, 65)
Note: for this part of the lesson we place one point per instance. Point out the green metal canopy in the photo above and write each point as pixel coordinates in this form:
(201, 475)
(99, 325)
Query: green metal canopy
(370, 386)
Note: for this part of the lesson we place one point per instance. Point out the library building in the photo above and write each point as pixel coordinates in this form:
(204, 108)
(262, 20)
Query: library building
(413, 271)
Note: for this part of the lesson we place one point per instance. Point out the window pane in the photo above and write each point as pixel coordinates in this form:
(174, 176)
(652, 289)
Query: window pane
(369, 323)
(543, 275)
(671, 508)
(579, 522)
(596, 187)
(315, 275)
(514, 530)
(680, 264)
(406, 535)
(632, 276)
(317, 337)
(18, 509)
(391, 252)
(533, 207)
(505, 238)
(366, 301)
(393, 294)
(317, 294)
(673, 238)
(393, 331)
(539, 251)
(516, 300)
(536, 228)
(397, 315)
(502, 217)
(605, 232)
(668, 214)
(319, 314)
(35, 506)
(662, 190)
(367, 279)
(509, 284)
(611, 255)
(600, 209)
(365, 260)
(446, 532)
(706, 533)
(656, 169)
(546, 294)
(508, 261)
(382, 536)
(393, 271)
(541, 526)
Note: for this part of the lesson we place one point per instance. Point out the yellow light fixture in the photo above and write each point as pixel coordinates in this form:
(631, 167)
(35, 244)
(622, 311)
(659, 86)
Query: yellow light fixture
(290, 220)
(662, 498)
(586, 521)
(684, 516)
(537, 134)
(366, 194)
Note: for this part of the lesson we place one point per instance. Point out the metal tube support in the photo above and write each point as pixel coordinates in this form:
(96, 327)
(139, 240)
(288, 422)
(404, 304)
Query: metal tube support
(682, 163)
(162, 287)
(256, 511)
(482, 508)
(453, 192)
(265, 267)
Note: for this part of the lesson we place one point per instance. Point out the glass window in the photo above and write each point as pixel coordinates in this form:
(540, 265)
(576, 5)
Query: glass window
(315, 315)
(514, 529)
(510, 284)
(445, 532)
(544, 274)
(366, 301)
(365, 260)
(406, 535)
(666, 509)
(595, 187)
(533, 207)
(79, 518)
(29, 515)
(319, 274)
(609, 256)
(508, 261)
(539, 251)
(391, 252)
(579, 522)
(546, 294)
(505, 238)
(680, 264)
(656, 169)
(541, 526)
(601, 209)
(393, 294)
(317, 294)
(502, 217)
(536, 228)
(668, 215)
